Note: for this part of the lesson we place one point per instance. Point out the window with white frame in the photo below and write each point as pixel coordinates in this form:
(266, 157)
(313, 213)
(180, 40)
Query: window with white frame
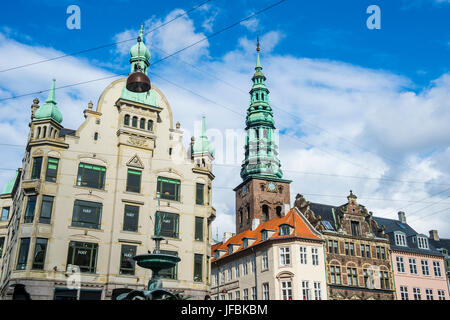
(238, 295)
(237, 269)
(429, 294)
(253, 293)
(230, 295)
(400, 239)
(417, 294)
(230, 273)
(437, 269)
(404, 293)
(425, 270)
(335, 274)
(317, 291)
(285, 256)
(315, 256)
(245, 294)
(265, 261)
(245, 267)
(265, 291)
(303, 255)
(352, 277)
(305, 290)
(253, 264)
(223, 297)
(422, 242)
(441, 295)
(400, 265)
(412, 266)
(286, 290)
(264, 235)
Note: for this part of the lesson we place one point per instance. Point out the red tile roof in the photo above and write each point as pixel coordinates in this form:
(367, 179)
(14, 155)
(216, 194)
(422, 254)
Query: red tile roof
(292, 218)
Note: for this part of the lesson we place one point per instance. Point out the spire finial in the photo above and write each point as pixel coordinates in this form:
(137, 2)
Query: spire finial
(257, 42)
(141, 32)
(51, 94)
(258, 61)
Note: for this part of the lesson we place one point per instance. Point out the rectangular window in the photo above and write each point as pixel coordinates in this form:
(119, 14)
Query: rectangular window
(199, 194)
(245, 294)
(352, 277)
(306, 291)
(131, 218)
(170, 273)
(253, 293)
(87, 214)
(317, 291)
(335, 272)
(336, 247)
(198, 267)
(384, 280)
(91, 176)
(303, 255)
(245, 267)
(199, 228)
(400, 264)
(36, 170)
(315, 256)
(330, 246)
(230, 273)
(366, 278)
(2, 244)
(253, 264)
(412, 266)
(383, 253)
(52, 169)
(40, 251)
(429, 294)
(230, 295)
(46, 209)
(127, 263)
(23, 254)
(355, 228)
(83, 255)
(238, 295)
(400, 240)
(286, 290)
(265, 261)
(169, 223)
(378, 253)
(437, 269)
(5, 214)
(346, 248)
(169, 189)
(404, 293)
(265, 291)
(134, 181)
(285, 256)
(237, 269)
(352, 249)
(31, 206)
(417, 294)
(363, 251)
(367, 251)
(441, 295)
(425, 270)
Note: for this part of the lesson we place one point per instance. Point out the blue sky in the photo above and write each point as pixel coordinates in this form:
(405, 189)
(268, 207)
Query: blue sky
(349, 102)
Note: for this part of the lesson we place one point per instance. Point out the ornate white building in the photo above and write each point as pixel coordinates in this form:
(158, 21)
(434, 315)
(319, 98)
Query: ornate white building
(86, 200)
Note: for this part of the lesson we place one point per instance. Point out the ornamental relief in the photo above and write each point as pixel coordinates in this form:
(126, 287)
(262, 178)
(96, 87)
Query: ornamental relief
(137, 141)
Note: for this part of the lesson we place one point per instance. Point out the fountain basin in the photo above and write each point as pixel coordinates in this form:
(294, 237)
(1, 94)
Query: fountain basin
(156, 261)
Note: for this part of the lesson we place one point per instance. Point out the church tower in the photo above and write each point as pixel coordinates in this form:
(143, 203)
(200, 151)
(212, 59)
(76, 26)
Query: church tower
(263, 193)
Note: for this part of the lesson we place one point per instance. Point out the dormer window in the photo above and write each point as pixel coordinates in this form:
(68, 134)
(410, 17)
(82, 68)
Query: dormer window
(264, 235)
(400, 239)
(422, 243)
(245, 243)
(285, 230)
(230, 249)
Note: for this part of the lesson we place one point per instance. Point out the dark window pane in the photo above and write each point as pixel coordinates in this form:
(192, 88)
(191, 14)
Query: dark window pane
(39, 253)
(83, 255)
(37, 165)
(134, 122)
(131, 218)
(142, 123)
(168, 222)
(23, 253)
(5, 214)
(134, 181)
(52, 169)
(200, 192)
(91, 176)
(2, 244)
(355, 228)
(169, 188)
(126, 259)
(150, 125)
(90, 294)
(87, 214)
(126, 120)
(198, 265)
(198, 228)
(46, 209)
(31, 206)
(170, 273)
(65, 294)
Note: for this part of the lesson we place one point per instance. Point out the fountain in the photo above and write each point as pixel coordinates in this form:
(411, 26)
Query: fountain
(156, 262)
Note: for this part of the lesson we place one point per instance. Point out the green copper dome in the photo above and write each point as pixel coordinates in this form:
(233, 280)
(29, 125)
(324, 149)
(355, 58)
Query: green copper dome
(202, 145)
(140, 50)
(49, 110)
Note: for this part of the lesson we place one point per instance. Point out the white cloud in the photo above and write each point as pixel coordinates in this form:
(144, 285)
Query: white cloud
(251, 24)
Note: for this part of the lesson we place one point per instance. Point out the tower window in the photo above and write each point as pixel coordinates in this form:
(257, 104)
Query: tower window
(278, 211)
(150, 125)
(96, 136)
(126, 120)
(142, 124)
(265, 212)
(134, 122)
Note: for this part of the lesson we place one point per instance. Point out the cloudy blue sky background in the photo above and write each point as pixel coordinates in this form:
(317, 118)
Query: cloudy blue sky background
(360, 109)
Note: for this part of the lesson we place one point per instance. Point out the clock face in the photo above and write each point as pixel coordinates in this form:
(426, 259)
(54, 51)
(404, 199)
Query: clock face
(271, 187)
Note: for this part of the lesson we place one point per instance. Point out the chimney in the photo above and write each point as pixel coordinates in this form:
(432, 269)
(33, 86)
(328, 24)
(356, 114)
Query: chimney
(434, 235)
(255, 223)
(401, 217)
(227, 236)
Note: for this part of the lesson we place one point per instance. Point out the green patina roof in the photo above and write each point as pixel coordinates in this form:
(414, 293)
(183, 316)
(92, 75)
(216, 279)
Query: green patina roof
(49, 110)
(202, 145)
(8, 188)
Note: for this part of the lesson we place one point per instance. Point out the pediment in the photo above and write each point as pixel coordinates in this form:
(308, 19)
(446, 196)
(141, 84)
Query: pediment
(135, 162)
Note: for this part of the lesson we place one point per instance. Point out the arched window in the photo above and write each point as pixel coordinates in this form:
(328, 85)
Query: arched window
(38, 135)
(150, 125)
(44, 133)
(278, 211)
(126, 120)
(262, 96)
(96, 136)
(134, 122)
(257, 96)
(265, 212)
(142, 124)
(241, 216)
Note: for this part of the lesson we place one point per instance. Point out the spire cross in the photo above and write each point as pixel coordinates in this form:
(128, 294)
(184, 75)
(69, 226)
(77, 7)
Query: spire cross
(257, 43)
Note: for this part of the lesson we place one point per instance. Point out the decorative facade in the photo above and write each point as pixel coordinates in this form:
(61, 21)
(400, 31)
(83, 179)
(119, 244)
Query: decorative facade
(358, 260)
(282, 259)
(443, 246)
(263, 193)
(85, 201)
